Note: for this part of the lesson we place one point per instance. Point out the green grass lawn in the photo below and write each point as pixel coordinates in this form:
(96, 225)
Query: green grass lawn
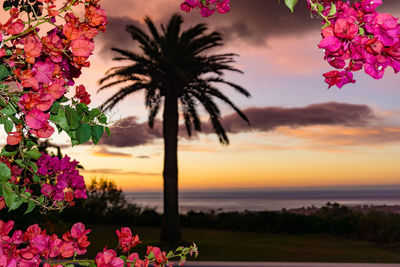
(217, 245)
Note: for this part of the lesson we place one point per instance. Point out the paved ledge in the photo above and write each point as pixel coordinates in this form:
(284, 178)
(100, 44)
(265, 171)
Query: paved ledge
(285, 264)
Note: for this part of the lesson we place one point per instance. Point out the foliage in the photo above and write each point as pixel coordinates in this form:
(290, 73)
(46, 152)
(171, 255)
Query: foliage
(36, 71)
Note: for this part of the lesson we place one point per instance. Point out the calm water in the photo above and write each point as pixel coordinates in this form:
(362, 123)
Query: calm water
(258, 200)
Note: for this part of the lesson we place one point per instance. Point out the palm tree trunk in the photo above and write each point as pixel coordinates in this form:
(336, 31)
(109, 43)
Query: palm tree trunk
(170, 231)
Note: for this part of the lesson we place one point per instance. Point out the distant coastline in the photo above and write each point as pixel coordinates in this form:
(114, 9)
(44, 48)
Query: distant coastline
(289, 199)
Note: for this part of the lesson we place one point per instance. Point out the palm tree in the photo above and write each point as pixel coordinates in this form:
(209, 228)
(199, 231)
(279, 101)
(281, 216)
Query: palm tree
(175, 74)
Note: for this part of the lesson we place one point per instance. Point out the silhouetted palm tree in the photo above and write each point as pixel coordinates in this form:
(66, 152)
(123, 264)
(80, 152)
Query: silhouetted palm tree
(175, 74)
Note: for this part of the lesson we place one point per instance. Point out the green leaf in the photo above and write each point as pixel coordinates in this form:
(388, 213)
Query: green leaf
(94, 113)
(83, 133)
(84, 263)
(361, 31)
(5, 172)
(41, 199)
(8, 126)
(8, 194)
(32, 165)
(73, 118)
(36, 178)
(33, 154)
(108, 131)
(69, 265)
(4, 72)
(55, 108)
(332, 12)
(20, 163)
(291, 4)
(9, 110)
(92, 264)
(82, 108)
(3, 102)
(326, 25)
(63, 99)
(60, 120)
(103, 118)
(97, 132)
(320, 7)
(31, 206)
(6, 153)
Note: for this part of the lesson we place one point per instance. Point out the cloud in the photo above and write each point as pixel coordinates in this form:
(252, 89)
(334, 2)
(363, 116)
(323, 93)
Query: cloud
(116, 36)
(120, 172)
(143, 157)
(104, 152)
(128, 132)
(269, 118)
(257, 20)
(339, 136)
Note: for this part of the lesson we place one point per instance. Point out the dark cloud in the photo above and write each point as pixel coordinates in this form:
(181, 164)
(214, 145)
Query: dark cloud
(116, 36)
(128, 132)
(253, 21)
(269, 118)
(143, 157)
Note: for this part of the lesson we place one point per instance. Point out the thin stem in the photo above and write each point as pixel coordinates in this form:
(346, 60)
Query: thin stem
(315, 8)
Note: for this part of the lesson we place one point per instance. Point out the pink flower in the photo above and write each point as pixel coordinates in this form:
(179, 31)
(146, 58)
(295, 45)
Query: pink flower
(330, 43)
(108, 258)
(44, 132)
(223, 7)
(82, 47)
(78, 230)
(124, 236)
(370, 5)
(206, 12)
(44, 71)
(185, 7)
(40, 242)
(36, 119)
(375, 66)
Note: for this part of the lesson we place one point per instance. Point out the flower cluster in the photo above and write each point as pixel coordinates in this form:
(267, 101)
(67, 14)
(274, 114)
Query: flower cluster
(35, 246)
(29, 248)
(44, 65)
(63, 179)
(206, 7)
(355, 37)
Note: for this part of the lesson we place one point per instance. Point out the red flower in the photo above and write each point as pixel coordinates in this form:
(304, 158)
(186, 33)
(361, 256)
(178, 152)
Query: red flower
(2, 203)
(16, 27)
(14, 138)
(67, 250)
(82, 94)
(44, 132)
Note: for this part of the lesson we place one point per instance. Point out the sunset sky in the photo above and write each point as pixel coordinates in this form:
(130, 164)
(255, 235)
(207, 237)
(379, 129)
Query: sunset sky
(302, 134)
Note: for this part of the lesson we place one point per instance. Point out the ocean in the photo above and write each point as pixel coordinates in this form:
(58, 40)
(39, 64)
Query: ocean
(271, 199)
